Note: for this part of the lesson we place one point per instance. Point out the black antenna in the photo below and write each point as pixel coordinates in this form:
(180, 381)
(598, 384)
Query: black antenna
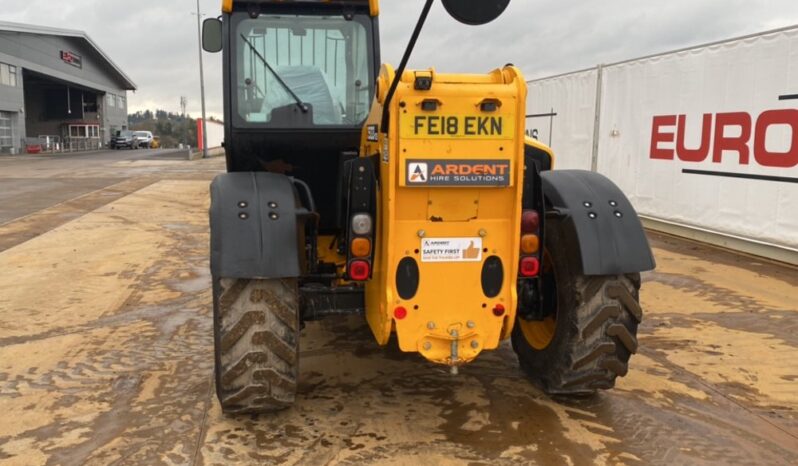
(403, 65)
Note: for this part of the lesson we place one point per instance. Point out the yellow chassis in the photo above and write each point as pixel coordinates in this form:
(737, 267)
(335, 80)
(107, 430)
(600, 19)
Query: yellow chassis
(449, 320)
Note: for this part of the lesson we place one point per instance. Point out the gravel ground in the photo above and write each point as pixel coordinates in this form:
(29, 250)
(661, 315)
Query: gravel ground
(106, 351)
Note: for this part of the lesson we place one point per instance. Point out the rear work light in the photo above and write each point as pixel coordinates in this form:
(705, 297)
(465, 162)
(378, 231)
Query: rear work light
(359, 271)
(530, 221)
(361, 224)
(530, 267)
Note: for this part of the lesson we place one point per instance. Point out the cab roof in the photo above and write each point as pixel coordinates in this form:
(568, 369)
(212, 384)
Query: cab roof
(374, 5)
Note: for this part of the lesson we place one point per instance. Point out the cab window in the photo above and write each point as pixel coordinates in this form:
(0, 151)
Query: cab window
(287, 62)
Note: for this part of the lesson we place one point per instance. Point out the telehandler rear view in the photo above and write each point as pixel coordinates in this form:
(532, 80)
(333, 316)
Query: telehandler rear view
(410, 197)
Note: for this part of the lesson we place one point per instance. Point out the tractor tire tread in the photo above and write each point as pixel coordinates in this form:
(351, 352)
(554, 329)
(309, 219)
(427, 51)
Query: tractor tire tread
(624, 295)
(622, 334)
(596, 348)
(610, 313)
(606, 313)
(256, 343)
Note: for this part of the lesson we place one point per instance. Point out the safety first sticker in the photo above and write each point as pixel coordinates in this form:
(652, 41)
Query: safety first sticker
(451, 250)
(458, 173)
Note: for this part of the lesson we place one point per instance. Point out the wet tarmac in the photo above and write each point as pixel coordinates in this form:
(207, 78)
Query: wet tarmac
(106, 352)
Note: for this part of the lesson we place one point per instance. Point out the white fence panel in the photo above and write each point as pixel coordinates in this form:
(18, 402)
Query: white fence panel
(702, 138)
(705, 138)
(569, 133)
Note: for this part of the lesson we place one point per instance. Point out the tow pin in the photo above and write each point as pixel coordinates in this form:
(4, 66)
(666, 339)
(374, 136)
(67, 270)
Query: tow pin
(454, 369)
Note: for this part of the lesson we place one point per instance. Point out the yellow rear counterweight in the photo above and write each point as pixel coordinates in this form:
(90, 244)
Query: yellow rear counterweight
(451, 177)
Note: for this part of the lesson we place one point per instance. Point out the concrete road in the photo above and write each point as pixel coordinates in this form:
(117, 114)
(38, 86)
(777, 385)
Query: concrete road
(106, 352)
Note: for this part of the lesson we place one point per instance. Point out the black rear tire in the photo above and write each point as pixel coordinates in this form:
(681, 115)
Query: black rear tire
(256, 343)
(595, 328)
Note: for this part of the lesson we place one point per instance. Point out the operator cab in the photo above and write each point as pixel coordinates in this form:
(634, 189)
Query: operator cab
(302, 70)
(299, 82)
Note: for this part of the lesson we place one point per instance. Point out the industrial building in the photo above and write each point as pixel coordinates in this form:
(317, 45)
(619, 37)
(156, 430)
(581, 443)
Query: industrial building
(58, 90)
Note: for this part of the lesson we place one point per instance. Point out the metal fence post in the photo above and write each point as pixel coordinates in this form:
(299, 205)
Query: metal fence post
(597, 122)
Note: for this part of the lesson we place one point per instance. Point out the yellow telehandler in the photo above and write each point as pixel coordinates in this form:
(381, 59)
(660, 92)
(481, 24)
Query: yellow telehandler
(412, 198)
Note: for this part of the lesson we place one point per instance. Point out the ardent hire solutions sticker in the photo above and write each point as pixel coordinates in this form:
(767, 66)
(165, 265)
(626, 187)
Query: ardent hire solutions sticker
(458, 172)
(451, 249)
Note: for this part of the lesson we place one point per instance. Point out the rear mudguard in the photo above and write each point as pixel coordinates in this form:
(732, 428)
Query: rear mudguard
(600, 221)
(257, 226)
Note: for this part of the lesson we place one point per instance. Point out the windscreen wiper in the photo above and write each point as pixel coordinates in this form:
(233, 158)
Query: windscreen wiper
(302, 105)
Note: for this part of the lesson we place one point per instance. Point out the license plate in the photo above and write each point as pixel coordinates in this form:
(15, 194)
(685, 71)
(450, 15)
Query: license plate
(415, 126)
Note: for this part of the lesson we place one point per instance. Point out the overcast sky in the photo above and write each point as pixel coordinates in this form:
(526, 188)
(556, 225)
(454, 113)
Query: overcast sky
(155, 41)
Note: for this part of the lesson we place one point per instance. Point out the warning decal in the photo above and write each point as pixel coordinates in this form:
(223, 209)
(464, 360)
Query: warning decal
(373, 133)
(458, 172)
(451, 250)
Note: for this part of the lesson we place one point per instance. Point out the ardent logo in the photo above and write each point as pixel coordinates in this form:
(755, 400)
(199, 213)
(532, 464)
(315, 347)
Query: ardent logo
(458, 172)
(465, 169)
(417, 172)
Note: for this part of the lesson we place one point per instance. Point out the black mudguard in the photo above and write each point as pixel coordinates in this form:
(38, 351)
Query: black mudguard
(600, 220)
(257, 226)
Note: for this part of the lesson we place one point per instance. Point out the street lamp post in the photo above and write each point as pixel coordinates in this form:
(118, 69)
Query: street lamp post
(202, 84)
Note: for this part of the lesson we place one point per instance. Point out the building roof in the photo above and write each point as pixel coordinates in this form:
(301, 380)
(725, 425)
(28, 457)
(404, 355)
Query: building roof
(50, 31)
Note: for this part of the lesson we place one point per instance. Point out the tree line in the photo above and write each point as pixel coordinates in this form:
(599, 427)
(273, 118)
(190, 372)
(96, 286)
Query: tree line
(173, 128)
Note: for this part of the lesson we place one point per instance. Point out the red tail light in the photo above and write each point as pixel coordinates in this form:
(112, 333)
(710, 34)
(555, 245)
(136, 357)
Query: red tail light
(400, 313)
(530, 267)
(359, 270)
(498, 310)
(530, 221)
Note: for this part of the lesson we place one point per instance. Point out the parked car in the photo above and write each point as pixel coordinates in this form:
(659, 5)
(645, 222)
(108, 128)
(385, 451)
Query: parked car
(123, 139)
(143, 139)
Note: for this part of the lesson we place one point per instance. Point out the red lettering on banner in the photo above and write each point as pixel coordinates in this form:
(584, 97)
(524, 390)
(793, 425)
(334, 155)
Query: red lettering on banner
(657, 137)
(766, 158)
(694, 155)
(737, 144)
(752, 138)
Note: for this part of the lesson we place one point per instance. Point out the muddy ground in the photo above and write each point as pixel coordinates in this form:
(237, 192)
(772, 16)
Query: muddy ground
(106, 351)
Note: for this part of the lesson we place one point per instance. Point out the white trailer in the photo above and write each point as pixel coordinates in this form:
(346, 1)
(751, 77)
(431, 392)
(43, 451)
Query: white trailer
(703, 140)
